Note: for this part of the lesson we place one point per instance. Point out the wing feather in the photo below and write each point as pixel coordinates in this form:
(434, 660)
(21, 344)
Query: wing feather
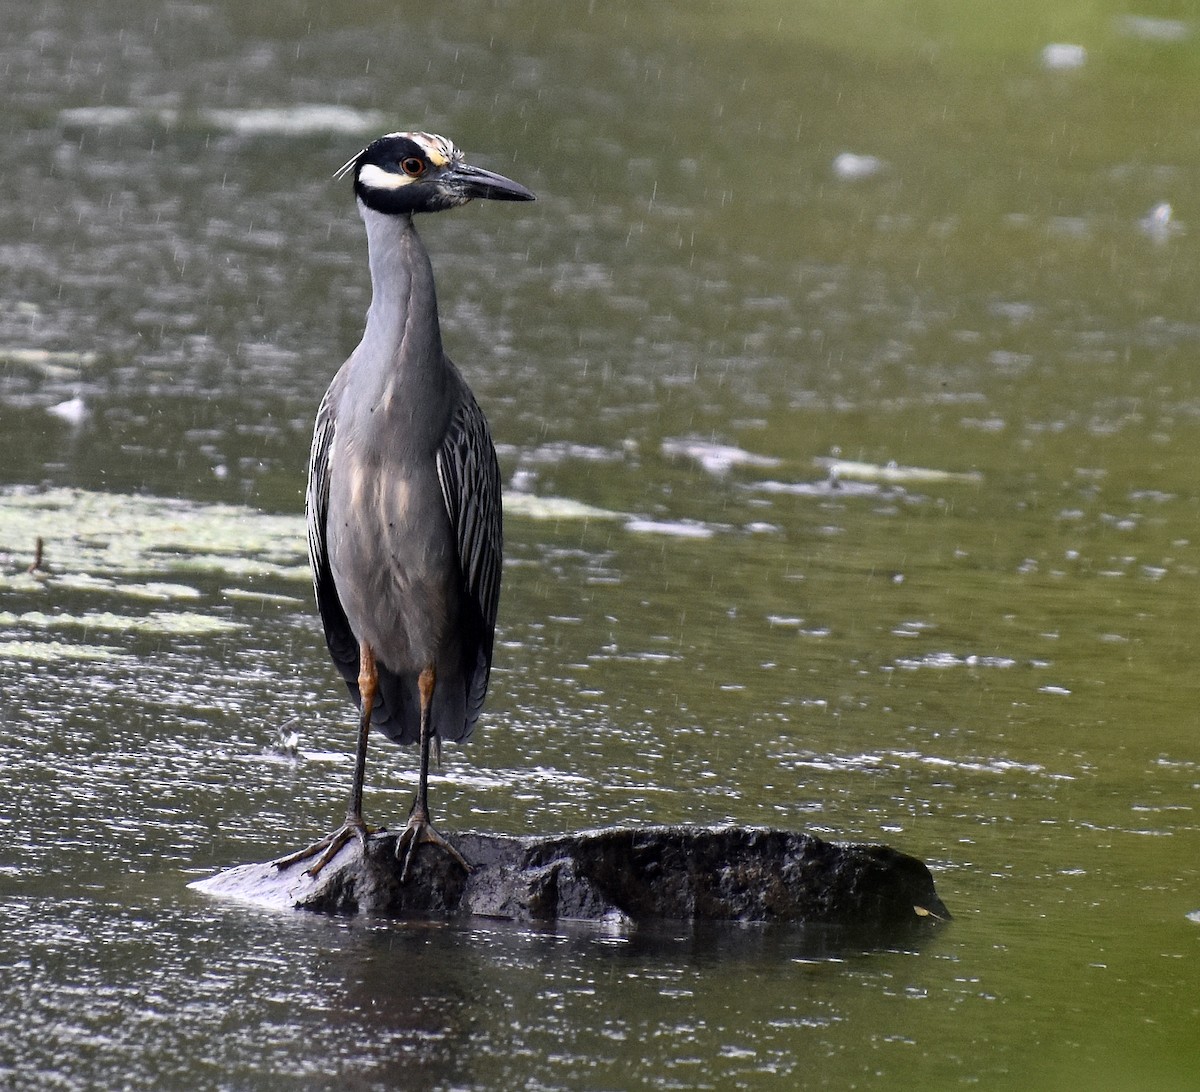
(343, 646)
(470, 479)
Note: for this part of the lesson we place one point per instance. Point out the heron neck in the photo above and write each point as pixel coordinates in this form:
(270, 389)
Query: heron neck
(402, 321)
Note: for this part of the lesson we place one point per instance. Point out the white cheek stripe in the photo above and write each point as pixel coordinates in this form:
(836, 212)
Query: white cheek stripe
(376, 178)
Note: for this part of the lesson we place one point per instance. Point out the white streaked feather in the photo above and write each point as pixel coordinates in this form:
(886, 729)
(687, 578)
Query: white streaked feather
(344, 169)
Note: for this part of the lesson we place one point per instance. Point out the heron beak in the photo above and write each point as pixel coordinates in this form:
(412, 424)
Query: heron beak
(475, 182)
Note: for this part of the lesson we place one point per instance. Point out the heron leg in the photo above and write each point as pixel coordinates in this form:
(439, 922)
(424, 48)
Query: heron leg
(420, 830)
(354, 826)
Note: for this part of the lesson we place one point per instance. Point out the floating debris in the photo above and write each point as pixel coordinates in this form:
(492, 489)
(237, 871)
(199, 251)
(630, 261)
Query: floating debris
(1060, 56)
(1147, 28)
(850, 167)
(159, 622)
(74, 410)
(287, 743)
(53, 364)
(1159, 223)
(116, 541)
(716, 458)
(298, 120)
(96, 116)
(560, 450)
(160, 590)
(554, 508)
(255, 596)
(829, 486)
(892, 472)
(683, 528)
(54, 652)
(944, 660)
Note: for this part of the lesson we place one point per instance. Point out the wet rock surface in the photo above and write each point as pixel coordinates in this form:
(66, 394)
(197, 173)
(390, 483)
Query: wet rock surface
(624, 875)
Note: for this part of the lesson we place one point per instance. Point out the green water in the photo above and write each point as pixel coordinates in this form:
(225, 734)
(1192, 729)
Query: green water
(983, 656)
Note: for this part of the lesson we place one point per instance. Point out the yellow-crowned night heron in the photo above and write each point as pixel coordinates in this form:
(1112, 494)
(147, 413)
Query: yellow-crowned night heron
(403, 503)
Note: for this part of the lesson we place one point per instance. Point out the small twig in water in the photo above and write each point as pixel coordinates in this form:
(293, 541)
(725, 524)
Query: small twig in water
(37, 565)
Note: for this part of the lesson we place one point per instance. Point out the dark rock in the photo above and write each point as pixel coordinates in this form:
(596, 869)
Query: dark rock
(617, 875)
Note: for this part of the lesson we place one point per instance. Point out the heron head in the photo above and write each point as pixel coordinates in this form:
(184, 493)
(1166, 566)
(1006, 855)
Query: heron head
(422, 172)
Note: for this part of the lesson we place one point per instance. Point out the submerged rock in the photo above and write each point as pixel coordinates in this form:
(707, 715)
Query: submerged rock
(616, 875)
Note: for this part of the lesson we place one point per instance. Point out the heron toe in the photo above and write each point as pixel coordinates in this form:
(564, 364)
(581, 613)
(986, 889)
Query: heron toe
(328, 846)
(420, 831)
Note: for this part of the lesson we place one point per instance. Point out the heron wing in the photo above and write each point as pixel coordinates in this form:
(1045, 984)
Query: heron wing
(343, 646)
(470, 478)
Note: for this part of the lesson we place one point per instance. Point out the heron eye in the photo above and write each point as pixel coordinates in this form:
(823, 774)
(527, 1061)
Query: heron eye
(412, 166)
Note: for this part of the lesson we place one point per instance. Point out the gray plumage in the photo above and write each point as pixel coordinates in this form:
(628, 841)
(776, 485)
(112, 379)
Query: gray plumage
(404, 509)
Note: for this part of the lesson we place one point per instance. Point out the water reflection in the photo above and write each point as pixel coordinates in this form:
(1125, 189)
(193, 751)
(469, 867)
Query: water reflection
(271, 993)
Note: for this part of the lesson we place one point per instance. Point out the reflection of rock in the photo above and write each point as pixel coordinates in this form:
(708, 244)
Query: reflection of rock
(621, 875)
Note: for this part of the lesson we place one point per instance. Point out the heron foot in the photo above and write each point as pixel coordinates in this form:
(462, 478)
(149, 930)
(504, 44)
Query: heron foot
(330, 844)
(420, 831)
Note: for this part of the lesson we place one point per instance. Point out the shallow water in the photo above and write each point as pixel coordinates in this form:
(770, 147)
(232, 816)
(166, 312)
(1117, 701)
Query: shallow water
(843, 379)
